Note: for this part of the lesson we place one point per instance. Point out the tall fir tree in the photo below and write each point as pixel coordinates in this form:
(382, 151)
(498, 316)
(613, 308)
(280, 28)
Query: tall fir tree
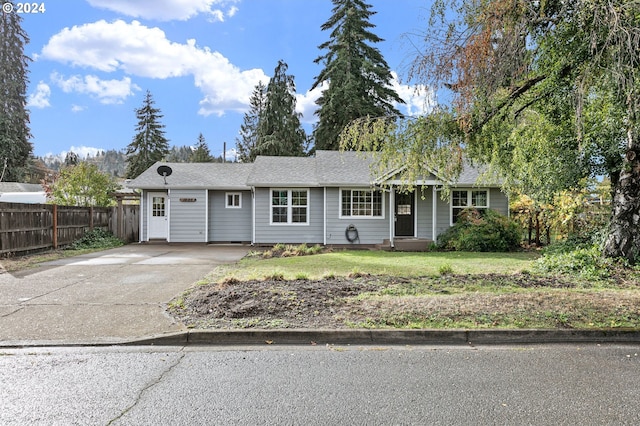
(248, 141)
(149, 144)
(15, 147)
(201, 153)
(279, 130)
(359, 79)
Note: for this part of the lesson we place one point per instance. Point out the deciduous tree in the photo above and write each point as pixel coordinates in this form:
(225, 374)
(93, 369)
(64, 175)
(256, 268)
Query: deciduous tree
(82, 184)
(546, 92)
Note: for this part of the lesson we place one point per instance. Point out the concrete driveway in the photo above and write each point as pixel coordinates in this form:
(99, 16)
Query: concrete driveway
(106, 297)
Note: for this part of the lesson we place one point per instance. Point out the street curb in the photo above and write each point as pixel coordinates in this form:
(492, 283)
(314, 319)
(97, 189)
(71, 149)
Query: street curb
(354, 337)
(390, 337)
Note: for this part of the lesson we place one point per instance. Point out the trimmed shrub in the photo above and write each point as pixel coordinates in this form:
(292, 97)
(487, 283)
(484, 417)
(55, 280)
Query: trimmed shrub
(489, 231)
(96, 239)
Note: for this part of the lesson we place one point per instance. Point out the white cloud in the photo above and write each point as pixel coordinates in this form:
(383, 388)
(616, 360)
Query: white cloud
(40, 99)
(306, 104)
(83, 151)
(146, 52)
(167, 10)
(107, 91)
(77, 108)
(419, 100)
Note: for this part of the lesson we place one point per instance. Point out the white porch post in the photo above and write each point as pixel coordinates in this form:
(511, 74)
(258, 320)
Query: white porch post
(434, 213)
(392, 203)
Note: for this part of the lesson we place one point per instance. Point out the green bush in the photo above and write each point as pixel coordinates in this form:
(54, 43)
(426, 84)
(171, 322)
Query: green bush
(96, 239)
(489, 231)
(585, 261)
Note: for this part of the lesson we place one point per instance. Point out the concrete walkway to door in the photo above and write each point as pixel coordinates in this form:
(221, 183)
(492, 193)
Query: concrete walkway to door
(105, 297)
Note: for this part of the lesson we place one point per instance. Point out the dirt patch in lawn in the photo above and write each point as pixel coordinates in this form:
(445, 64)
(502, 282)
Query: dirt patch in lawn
(452, 301)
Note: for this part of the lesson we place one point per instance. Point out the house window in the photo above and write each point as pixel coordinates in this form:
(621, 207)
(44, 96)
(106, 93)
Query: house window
(361, 203)
(289, 206)
(234, 200)
(157, 207)
(462, 199)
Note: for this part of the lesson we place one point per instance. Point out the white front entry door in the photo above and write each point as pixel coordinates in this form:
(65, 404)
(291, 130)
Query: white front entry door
(158, 215)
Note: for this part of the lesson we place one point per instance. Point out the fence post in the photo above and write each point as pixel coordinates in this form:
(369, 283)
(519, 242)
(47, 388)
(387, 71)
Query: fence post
(91, 218)
(55, 226)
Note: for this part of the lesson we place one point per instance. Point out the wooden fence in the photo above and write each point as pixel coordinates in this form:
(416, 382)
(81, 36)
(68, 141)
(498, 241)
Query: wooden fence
(33, 227)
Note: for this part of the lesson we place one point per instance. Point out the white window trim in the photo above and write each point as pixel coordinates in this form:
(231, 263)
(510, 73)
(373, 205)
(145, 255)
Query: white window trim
(469, 192)
(226, 200)
(289, 207)
(341, 216)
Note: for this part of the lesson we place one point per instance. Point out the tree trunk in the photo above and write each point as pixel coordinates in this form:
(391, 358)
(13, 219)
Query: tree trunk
(624, 232)
(538, 241)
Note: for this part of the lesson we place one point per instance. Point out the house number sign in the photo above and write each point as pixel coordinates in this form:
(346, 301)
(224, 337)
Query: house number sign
(187, 200)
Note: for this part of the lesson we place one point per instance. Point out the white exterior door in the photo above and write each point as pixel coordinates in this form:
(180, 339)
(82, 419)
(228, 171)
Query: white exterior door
(158, 215)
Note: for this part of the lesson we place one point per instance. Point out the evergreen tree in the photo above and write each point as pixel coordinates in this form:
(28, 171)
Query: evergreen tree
(358, 76)
(149, 144)
(179, 154)
(279, 129)
(71, 159)
(201, 153)
(15, 148)
(248, 141)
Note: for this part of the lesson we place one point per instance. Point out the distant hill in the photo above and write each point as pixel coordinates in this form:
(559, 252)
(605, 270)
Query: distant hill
(111, 162)
(115, 162)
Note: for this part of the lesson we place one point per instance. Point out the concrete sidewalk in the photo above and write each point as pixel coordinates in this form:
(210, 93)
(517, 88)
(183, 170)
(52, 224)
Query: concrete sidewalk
(111, 296)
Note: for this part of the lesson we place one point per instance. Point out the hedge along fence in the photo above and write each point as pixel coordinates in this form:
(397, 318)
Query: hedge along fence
(32, 227)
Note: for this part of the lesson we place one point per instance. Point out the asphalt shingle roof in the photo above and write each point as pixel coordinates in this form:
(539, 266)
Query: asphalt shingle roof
(20, 187)
(327, 168)
(196, 176)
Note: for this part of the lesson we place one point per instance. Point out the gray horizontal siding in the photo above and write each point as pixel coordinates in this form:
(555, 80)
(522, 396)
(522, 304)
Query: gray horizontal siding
(424, 209)
(370, 230)
(188, 219)
(229, 224)
(499, 201)
(266, 233)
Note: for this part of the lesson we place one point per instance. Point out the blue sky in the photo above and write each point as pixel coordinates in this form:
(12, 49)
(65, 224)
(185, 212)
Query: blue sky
(93, 60)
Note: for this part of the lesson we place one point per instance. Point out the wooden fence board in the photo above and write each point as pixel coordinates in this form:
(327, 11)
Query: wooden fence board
(29, 227)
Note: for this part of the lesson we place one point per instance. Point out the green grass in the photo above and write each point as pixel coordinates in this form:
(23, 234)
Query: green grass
(343, 263)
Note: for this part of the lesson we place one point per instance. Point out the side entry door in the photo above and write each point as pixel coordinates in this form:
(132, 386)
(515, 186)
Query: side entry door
(158, 215)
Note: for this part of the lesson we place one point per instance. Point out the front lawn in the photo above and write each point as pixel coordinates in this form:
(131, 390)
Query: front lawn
(354, 262)
(375, 289)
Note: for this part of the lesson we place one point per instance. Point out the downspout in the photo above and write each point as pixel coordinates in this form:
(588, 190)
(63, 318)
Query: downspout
(324, 240)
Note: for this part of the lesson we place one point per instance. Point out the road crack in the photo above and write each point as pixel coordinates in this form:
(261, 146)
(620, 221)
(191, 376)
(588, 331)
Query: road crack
(149, 386)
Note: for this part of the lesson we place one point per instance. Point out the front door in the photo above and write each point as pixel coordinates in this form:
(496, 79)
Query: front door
(405, 210)
(158, 215)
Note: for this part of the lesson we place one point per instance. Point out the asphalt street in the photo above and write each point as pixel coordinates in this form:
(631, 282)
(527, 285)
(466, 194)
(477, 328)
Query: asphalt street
(320, 385)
